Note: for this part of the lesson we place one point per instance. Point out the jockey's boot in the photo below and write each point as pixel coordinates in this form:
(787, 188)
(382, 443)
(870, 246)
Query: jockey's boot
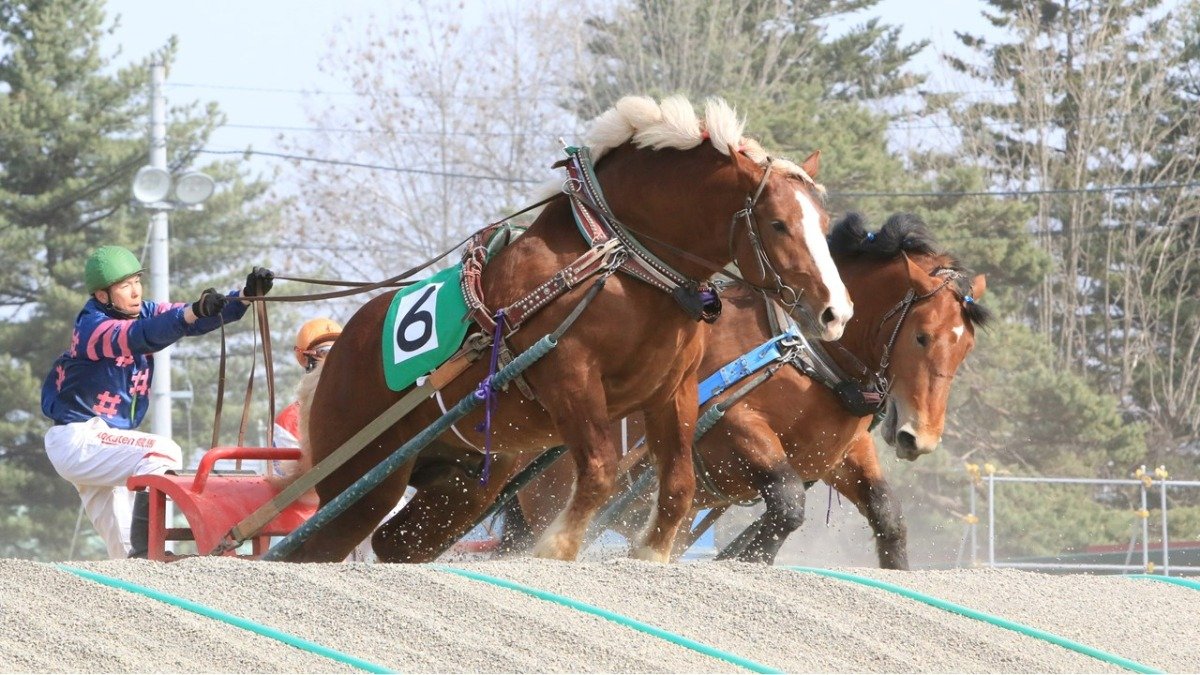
(139, 526)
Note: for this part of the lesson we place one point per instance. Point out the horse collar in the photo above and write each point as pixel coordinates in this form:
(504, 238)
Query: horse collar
(597, 224)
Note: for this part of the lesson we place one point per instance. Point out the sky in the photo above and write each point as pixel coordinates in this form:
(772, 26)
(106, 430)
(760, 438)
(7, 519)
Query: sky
(256, 58)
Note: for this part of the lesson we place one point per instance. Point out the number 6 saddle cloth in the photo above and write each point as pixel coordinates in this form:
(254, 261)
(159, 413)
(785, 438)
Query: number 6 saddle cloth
(424, 326)
(428, 322)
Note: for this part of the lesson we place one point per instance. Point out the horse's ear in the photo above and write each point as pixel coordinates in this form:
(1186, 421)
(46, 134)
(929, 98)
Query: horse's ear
(978, 286)
(812, 165)
(733, 154)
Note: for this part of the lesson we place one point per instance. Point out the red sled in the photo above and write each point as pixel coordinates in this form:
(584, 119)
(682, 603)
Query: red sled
(214, 502)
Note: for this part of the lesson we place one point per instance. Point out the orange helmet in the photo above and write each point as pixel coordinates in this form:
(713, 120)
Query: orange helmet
(313, 333)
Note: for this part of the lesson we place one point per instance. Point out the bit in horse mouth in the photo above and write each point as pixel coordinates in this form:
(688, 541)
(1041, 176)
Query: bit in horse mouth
(807, 322)
(890, 424)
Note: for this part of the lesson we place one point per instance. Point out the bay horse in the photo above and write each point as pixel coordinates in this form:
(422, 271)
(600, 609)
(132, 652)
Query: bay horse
(792, 430)
(697, 196)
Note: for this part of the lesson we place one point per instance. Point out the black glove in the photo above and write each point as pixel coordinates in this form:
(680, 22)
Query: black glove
(258, 282)
(210, 303)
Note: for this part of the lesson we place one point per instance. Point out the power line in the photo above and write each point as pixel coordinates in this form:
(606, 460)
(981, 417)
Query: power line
(384, 132)
(281, 90)
(912, 115)
(278, 90)
(362, 165)
(262, 90)
(1145, 187)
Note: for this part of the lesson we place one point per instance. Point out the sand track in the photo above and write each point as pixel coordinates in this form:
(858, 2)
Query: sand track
(421, 619)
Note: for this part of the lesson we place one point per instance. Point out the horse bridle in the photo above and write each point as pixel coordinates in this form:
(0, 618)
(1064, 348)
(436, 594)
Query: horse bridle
(911, 297)
(787, 296)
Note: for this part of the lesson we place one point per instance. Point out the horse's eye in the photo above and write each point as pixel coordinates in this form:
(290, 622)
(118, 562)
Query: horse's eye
(923, 339)
(779, 226)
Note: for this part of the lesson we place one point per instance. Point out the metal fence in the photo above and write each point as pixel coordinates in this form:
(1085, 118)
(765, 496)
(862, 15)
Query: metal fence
(1144, 481)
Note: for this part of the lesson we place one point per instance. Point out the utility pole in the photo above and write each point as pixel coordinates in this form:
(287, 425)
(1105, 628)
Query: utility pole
(160, 268)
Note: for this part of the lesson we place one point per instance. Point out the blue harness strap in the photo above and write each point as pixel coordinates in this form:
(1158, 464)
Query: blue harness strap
(745, 365)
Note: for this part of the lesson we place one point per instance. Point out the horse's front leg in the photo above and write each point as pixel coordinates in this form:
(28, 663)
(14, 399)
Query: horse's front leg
(669, 432)
(861, 479)
(581, 417)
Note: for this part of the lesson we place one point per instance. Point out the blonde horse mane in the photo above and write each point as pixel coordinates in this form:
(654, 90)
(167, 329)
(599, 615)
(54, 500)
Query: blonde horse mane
(293, 470)
(674, 124)
(304, 393)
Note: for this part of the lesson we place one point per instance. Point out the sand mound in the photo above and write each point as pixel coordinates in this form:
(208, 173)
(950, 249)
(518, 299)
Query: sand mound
(423, 619)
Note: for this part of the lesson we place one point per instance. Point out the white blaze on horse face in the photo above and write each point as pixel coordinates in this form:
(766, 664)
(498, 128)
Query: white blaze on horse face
(958, 332)
(818, 248)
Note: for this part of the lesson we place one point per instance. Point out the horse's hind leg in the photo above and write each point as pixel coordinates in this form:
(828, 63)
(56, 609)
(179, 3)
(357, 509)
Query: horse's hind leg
(517, 536)
(861, 479)
(669, 432)
(758, 447)
(335, 541)
(448, 501)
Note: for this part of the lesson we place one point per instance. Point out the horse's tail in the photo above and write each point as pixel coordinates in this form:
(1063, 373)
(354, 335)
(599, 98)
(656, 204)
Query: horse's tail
(293, 470)
(304, 393)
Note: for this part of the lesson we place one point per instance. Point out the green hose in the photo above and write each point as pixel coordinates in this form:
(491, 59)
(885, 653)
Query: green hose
(227, 618)
(611, 616)
(1186, 583)
(982, 616)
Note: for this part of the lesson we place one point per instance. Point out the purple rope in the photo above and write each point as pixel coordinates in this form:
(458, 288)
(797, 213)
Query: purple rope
(829, 506)
(487, 394)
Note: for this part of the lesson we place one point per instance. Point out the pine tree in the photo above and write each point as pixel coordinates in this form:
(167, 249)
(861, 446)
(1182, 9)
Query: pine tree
(799, 88)
(1090, 108)
(72, 134)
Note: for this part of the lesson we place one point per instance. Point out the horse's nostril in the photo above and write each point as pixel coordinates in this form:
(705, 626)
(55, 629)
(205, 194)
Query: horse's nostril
(827, 316)
(906, 439)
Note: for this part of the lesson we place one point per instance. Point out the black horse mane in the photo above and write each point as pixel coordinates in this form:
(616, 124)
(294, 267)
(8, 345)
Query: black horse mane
(903, 233)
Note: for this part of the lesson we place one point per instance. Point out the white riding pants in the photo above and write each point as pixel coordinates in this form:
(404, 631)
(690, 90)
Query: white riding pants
(97, 459)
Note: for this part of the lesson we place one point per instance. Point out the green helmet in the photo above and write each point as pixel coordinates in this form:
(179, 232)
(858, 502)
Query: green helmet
(108, 265)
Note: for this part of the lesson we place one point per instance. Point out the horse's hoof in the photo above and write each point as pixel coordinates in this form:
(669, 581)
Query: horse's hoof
(553, 551)
(649, 554)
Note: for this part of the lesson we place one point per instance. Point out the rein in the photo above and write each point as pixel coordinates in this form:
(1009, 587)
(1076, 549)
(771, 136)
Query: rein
(260, 310)
(397, 280)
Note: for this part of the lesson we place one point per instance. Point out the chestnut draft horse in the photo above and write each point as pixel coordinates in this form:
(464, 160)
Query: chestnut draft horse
(914, 322)
(693, 192)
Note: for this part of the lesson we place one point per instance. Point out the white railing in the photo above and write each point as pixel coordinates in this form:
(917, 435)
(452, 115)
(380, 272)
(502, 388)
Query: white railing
(1145, 481)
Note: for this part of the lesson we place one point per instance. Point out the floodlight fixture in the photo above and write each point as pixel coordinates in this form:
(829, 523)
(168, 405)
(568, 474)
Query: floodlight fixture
(154, 189)
(193, 188)
(151, 185)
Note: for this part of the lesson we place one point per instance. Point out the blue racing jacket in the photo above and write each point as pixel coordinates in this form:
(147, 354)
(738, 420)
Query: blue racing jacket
(107, 370)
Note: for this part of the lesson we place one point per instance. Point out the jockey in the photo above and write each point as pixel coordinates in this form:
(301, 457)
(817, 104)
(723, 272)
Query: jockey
(313, 342)
(97, 391)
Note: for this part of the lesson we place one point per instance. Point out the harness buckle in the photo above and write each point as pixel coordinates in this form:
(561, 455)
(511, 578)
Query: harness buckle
(615, 256)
